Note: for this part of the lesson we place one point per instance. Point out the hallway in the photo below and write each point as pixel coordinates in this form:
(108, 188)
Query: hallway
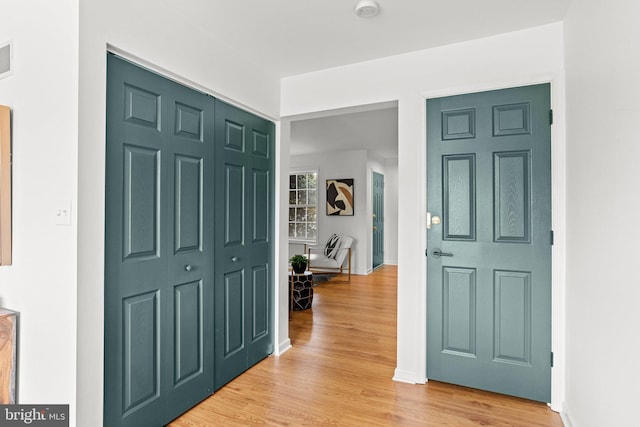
(339, 373)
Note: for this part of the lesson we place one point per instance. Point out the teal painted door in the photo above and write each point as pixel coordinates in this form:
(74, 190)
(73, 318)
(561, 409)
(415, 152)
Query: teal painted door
(159, 246)
(244, 230)
(489, 260)
(378, 220)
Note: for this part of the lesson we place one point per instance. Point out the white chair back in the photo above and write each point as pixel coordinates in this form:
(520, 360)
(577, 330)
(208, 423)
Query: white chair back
(345, 244)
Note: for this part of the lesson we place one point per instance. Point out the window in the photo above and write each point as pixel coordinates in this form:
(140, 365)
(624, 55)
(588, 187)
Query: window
(303, 201)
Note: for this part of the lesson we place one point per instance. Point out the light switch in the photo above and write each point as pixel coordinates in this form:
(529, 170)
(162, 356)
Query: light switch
(63, 212)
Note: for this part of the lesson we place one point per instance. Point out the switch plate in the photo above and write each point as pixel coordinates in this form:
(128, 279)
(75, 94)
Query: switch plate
(62, 212)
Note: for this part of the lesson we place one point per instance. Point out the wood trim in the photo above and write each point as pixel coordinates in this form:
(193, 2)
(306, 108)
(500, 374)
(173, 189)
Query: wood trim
(5, 185)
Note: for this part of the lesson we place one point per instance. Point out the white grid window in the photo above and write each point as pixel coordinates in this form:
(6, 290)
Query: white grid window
(303, 203)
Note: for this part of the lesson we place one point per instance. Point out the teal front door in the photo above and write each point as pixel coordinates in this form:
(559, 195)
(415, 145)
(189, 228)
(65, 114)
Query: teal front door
(489, 256)
(158, 247)
(244, 219)
(378, 220)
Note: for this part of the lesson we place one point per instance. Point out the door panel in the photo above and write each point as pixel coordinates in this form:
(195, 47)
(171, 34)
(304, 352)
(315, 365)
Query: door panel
(188, 337)
(141, 201)
(159, 242)
(189, 153)
(459, 311)
(244, 292)
(489, 295)
(459, 189)
(511, 198)
(141, 315)
(378, 220)
(188, 203)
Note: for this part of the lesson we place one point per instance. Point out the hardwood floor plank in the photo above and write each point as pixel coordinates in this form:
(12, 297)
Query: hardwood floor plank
(339, 370)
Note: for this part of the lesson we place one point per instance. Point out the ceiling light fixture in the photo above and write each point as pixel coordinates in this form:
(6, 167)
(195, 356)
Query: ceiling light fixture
(367, 9)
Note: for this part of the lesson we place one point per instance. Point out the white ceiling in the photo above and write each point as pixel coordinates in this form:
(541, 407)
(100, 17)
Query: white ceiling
(289, 37)
(297, 36)
(375, 129)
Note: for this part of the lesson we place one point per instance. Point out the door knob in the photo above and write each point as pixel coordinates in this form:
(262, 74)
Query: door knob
(188, 267)
(375, 228)
(235, 259)
(437, 253)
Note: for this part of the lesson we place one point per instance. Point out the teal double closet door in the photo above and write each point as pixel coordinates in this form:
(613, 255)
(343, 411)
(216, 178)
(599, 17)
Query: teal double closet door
(188, 245)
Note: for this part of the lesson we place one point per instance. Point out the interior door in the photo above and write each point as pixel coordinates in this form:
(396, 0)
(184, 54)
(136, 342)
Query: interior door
(378, 220)
(159, 245)
(489, 259)
(244, 218)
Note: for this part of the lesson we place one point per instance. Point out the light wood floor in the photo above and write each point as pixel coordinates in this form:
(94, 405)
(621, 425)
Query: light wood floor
(339, 373)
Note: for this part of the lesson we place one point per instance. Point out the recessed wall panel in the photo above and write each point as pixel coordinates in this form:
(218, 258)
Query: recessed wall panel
(142, 107)
(188, 122)
(512, 317)
(188, 339)
(260, 144)
(459, 311)
(512, 204)
(141, 202)
(261, 301)
(234, 205)
(459, 124)
(459, 197)
(188, 203)
(234, 136)
(260, 206)
(141, 348)
(512, 119)
(233, 312)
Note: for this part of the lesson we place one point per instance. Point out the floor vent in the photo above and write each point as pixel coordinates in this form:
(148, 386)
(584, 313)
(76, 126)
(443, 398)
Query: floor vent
(5, 60)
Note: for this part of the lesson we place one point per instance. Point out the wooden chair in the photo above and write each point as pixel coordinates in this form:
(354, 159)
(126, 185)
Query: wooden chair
(332, 256)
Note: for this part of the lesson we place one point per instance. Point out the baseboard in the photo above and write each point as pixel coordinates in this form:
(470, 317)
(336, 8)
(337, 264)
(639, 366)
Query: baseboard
(283, 347)
(390, 262)
(566, 417)
(404, 376)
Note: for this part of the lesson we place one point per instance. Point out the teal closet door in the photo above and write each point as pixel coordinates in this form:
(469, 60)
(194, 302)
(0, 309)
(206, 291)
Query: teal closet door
(489, 259)
(244, 241)
(158, 247)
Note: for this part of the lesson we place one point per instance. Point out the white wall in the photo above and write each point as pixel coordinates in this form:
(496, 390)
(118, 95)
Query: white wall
(603, 147)
(41, 283)
(524, 57)
(337, 165)
(162, 41)
(391, 211)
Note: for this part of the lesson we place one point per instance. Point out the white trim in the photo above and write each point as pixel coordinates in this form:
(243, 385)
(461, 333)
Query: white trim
(566, 417)
(406, 377)
(283, 347)
(558, 190)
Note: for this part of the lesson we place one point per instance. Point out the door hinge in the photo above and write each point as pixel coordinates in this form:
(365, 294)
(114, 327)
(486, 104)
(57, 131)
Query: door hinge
(552, 359)
(551, 233)
(426, 251)
(550, 117)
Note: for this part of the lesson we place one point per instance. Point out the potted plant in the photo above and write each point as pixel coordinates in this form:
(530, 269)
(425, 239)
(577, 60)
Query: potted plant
(298, 263)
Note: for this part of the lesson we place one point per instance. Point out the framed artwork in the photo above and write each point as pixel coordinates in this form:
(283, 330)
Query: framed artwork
(5, 185)
(340, 197)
